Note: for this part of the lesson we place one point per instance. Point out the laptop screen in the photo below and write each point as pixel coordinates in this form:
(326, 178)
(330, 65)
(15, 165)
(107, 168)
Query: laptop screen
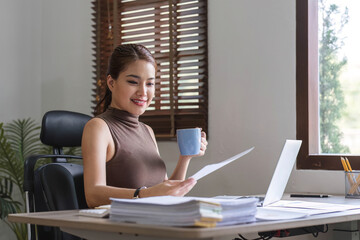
(282, 172)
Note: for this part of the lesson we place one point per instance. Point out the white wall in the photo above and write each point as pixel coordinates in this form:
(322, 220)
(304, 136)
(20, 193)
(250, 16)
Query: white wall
(45, 60)
(66, 57)
(46, 57)
(20, 65)
(45, 64)
(20, 59)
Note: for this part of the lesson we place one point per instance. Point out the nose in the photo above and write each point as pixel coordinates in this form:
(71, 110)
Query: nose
(142, 90)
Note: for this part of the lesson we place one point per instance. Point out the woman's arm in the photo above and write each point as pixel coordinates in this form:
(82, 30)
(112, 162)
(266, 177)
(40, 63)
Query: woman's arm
(97, 148)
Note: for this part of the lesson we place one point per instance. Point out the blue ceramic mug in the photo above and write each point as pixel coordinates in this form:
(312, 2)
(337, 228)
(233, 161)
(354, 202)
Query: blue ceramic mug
(189, 141)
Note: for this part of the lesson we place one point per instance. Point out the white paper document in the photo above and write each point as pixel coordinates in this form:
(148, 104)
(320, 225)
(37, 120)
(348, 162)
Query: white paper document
(328, 207)
(306, 211)
(285, 209)
(213, 167)
(272, 214)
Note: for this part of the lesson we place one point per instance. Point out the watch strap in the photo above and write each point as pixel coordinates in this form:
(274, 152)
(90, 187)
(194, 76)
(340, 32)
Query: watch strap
(137, 192)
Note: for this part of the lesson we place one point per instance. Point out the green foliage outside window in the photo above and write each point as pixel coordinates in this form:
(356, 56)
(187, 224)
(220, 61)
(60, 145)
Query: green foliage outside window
(331, 95)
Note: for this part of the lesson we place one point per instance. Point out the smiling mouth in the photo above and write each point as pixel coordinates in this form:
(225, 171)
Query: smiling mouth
(139, 102)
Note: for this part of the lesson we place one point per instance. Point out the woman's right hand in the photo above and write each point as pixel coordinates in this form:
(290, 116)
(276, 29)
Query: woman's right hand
(169, 188)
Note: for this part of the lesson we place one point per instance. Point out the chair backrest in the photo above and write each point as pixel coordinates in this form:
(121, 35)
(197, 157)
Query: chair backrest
(62, 129)
(58, 185)
(62, 185)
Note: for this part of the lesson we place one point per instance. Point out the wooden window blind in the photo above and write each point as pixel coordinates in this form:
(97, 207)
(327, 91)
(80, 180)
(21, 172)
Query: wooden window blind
(175, 31)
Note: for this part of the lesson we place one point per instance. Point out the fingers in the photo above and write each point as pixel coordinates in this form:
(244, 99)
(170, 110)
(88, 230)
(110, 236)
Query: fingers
(204, 143)
(203, 138)
(185, 186)
(180, 188)
(203, 134)
(170, 187)
(188, 182)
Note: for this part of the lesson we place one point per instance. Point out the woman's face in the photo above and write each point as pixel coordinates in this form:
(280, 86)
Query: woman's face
(134, 89)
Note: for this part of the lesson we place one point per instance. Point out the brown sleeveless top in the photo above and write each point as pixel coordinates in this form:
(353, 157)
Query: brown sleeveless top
(136, 162)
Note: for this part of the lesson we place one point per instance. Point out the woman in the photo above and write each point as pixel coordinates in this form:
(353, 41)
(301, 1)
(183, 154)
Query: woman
(121, 157)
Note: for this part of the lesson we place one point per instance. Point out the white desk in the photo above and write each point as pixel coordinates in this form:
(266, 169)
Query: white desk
(95, 228)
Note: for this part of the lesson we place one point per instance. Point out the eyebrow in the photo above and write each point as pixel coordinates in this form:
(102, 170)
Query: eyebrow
(138, 77)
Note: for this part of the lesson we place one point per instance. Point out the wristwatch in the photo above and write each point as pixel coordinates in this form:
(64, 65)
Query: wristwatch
(137, 192)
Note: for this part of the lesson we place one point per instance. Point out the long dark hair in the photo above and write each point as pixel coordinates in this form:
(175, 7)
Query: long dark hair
(121, 57)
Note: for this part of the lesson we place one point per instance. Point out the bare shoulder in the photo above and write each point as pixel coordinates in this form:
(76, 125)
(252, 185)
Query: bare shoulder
(96, 126)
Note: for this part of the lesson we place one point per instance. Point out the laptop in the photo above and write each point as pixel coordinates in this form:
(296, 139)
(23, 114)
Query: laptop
(281, 174)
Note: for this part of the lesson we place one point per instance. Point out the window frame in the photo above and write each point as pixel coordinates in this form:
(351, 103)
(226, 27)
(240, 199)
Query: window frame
(307, 128)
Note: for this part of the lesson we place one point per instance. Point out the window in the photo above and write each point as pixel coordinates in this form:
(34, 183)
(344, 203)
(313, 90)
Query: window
(311, 95)
(176, 34)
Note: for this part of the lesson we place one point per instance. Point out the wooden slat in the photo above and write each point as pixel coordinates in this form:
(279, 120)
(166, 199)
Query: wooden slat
(183, 14)
(181, 97)
(191, 5)
(201, 18)
(161, 113)
(191, 84)
(149, 37)
(199, 64)
(145, 25)
(141, 11)
(129, 6)
(143, 31)
(144, 19)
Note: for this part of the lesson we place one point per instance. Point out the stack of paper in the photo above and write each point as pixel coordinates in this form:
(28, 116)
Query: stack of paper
(237, 211)
(166, 210)
(183, 211)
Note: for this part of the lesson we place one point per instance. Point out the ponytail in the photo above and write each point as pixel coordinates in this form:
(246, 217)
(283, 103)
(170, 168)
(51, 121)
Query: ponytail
(104, 103)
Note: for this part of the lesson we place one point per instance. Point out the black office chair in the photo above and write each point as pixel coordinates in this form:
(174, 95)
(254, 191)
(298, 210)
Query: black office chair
(58, 185)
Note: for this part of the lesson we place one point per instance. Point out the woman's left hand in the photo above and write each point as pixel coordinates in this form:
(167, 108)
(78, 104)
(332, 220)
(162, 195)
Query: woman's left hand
(203, 145)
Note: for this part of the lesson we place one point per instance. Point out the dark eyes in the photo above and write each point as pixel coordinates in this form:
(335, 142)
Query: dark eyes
(132, 82)
(135, 83)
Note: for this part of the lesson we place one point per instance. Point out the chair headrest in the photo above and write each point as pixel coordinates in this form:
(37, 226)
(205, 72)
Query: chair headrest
(63, 128)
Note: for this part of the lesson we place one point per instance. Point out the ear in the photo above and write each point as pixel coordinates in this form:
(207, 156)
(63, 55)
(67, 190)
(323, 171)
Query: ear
(110, 82)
